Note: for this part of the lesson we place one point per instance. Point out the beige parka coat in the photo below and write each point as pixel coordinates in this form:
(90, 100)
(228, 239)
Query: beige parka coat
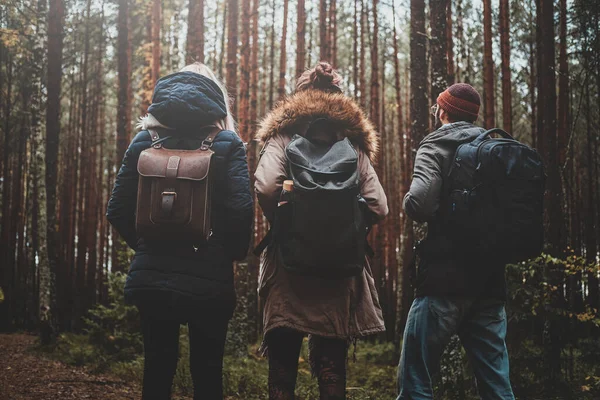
(346, 308)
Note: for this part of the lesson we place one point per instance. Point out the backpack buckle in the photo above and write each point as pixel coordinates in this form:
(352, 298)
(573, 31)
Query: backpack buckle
(168, 199)
(207, 143)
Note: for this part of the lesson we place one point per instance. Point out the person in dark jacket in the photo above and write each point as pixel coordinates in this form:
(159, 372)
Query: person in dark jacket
(455, 293)
(171, 283)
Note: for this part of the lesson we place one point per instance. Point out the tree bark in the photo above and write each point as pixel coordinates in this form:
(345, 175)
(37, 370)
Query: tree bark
(355, 50)
(332, 40)
(124, 78)
(488, 67)
(232, 48)
(56, 12)
(195, 33)
(449, 44)
(375, 99)
(324, 51)
(156, 23)
(563, 87)
(505, 54)
(301, 39)
(244, 99)
(362, 63)
(283, 54)
(437, 47)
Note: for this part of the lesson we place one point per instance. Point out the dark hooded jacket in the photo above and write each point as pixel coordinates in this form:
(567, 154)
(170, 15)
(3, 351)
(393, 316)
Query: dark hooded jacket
(173, 275)
(444, 270)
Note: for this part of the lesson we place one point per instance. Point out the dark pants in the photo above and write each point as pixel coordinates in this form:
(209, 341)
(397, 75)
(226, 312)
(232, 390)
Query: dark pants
(328, 362)
(161, 350)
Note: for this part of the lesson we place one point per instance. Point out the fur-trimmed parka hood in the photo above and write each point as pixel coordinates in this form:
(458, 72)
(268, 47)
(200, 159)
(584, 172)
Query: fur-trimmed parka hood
(294, 114)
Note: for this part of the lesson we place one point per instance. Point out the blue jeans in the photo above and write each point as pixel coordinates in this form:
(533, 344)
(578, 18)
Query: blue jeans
(481, 327)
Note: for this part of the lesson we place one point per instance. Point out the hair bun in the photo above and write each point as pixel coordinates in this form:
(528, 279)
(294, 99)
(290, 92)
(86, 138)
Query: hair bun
(323, 75)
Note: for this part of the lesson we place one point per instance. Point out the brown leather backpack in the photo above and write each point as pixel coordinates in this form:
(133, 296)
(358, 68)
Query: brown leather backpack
(174, 192)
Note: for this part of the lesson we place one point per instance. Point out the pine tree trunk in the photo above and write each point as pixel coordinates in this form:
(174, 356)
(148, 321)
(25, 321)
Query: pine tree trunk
(232, 49)
(437, 47)
(547, 132)
(323, 32)
(272, 58)
(375, 99)
(254, 73)
(156, 23)
(563, 87)
(488, 67)
(505, 54)
(363, 50)
(223, 34)
(195, 33)
(449, 44)
(419, 110)
(332, 40)
(355, 50)
(283, 54)
(460, 38)
(56, 12)
(300, 39)
(244, 99)
(5, 265)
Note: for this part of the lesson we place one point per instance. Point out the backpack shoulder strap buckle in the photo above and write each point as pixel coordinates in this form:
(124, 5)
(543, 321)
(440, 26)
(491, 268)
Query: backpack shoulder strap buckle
(210, 138)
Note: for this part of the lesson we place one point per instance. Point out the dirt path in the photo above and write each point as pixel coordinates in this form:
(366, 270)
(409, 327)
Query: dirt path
(25, 376)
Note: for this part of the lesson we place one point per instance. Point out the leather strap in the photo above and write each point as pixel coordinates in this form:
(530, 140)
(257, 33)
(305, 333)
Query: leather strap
(210, 138)
(173, 167)
(168, 199)
(153, 135)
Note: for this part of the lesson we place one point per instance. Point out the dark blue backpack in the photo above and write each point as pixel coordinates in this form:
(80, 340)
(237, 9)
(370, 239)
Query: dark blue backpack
(495, 204)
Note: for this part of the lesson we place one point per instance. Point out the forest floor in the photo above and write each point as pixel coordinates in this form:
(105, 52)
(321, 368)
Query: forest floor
(24, 375)
(29, 372)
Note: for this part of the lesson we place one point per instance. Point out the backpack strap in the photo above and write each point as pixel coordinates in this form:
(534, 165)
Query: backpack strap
(156, 139)
(487, 133)
(210, 138)
(263, 243)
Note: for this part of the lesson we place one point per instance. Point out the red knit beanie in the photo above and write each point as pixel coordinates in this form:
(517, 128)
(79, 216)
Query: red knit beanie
(461, 101)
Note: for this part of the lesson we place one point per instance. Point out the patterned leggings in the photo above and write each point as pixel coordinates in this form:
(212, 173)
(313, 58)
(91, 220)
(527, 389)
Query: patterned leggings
(328, 362)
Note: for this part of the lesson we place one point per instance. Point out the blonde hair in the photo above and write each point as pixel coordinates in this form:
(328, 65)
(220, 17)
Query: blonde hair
(227, 123)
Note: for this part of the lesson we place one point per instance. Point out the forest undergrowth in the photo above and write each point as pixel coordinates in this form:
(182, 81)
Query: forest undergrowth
(111, 343)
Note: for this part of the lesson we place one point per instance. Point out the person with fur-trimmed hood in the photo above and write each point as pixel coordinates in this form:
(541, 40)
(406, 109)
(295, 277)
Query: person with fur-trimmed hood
(331, 312)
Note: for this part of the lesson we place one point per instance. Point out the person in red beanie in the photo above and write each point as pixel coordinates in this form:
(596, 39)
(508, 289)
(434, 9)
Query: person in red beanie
(455, 294)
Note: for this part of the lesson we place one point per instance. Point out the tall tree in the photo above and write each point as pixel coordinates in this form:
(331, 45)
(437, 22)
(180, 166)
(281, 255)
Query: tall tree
(124, 78)
(563, 86)
(375, 99)
(355, 50)
(419, 110)
(156, 43)
(232, 49)
(333, 33)
(56, 12)
(323, 32)
(362, 83)
(300, 39)
(243, 112)
(505, 55)
(195, 32)
(283, 54)
(437, 48)
(488, 67)
(450, 43)
(548, 145)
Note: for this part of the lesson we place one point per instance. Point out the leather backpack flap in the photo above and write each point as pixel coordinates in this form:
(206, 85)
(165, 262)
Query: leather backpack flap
(180, 190)
(175, 164)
